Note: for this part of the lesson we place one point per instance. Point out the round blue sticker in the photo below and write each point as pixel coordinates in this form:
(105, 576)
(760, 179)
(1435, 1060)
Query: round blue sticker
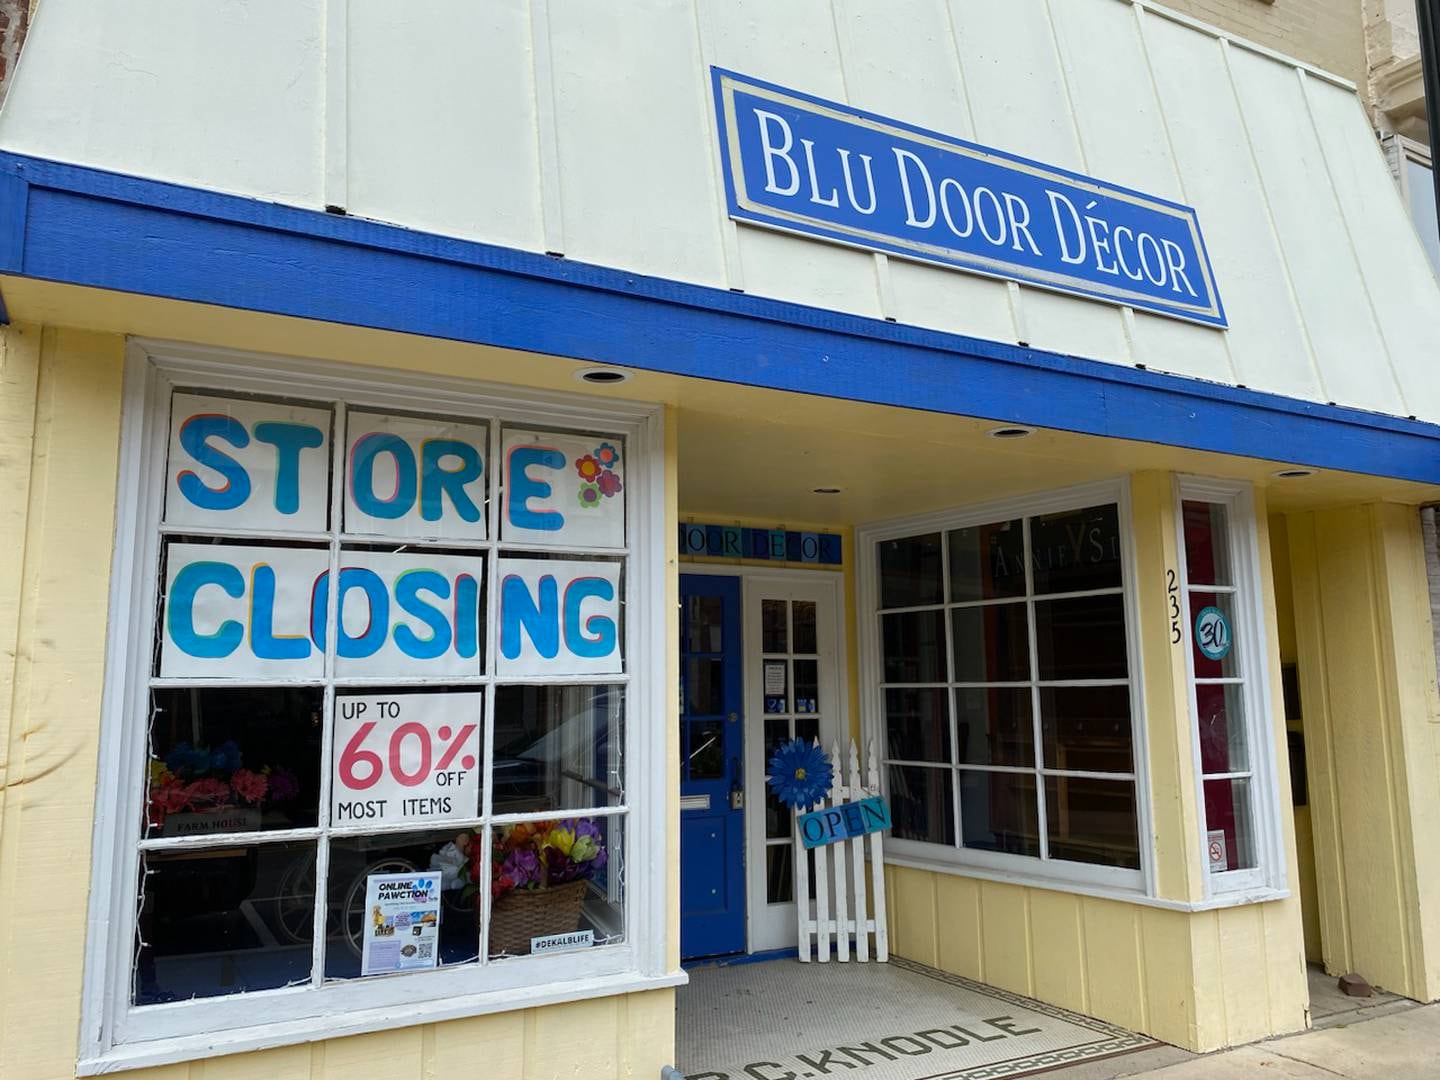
(1212, 633)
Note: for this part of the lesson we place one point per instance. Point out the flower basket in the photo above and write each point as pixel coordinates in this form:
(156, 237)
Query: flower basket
(522, 914)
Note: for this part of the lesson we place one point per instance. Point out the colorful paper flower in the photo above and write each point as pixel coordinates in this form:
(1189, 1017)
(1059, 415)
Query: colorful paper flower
(607, 455)
(522, 866)
(588, 468)
(207, 794)
(589, 496)
(609, 484)
(249, 786)
(800, 774)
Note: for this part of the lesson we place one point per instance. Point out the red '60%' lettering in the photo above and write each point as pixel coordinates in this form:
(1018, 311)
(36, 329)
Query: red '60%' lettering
(361, 768)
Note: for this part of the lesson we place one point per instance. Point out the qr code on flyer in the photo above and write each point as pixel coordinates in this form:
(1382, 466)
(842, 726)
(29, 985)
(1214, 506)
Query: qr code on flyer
(425, 950)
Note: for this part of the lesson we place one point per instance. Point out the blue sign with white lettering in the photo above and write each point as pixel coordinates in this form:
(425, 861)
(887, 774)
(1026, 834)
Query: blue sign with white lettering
(805, 165)
(843, 822)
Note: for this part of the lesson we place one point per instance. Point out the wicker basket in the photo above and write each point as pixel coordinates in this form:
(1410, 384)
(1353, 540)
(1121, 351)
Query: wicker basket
(522, 914)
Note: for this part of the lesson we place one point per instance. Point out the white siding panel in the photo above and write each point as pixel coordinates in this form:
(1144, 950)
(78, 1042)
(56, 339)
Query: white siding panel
(1123, 135)
(221, 96)
(636, 173)
(1397, 273)
(1021, 104)
(899, 60)
(1328, 285)
(1266, 341)
(417, 159)
(792, 44)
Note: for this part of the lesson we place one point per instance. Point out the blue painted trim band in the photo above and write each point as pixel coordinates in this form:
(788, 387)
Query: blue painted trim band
(81, 226)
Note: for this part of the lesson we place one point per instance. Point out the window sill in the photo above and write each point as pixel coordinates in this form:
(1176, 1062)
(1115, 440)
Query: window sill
(317, 1028)
(1238, 898)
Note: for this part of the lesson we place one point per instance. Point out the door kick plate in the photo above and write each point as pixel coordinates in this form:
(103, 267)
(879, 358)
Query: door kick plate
(694, 802)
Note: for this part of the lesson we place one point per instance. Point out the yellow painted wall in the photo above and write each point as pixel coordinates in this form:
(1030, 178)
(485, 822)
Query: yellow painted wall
(1201, 980)
(59, 433)
(1367, 670)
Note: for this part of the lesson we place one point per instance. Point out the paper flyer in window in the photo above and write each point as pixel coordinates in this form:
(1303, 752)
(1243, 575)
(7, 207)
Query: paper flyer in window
(402, 923)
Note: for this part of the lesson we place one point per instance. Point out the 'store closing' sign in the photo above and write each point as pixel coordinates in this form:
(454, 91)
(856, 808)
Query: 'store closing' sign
(406, 757)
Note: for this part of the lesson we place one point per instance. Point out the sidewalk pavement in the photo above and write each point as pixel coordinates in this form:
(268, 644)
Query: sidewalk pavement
(1396, 1046)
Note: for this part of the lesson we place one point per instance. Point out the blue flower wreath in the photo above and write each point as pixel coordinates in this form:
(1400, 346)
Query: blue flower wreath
(800, 774)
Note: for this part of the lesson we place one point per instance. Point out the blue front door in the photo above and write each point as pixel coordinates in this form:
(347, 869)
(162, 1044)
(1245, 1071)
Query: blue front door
(712, 819)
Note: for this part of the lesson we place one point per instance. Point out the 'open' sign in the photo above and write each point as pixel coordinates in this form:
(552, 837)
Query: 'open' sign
(843, 822)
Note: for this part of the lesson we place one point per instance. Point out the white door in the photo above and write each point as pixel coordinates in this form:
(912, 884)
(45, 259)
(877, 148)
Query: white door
(793, 657)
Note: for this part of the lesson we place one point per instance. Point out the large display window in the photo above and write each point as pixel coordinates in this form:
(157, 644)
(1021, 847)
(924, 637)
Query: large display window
(370, 738)
(1000, 646)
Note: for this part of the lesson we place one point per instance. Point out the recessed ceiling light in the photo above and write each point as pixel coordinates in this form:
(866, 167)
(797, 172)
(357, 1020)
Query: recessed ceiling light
(1012, 432)
(1292, 474)
(827, 491)
(602, 376)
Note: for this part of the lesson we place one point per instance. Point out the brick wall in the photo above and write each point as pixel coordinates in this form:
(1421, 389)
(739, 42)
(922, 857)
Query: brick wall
(14, 21)
(1329, 34)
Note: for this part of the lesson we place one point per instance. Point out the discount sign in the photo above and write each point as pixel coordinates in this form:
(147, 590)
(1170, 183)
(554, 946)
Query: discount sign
(406, 757)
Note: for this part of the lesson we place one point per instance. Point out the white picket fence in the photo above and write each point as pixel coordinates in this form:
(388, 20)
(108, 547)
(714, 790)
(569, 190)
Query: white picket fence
(840, 885)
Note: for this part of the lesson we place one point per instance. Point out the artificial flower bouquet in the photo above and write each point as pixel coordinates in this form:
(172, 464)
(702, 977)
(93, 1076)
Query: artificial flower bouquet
(200, 781)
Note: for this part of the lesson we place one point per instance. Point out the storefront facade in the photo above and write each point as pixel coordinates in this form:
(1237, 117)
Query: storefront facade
(382, 465)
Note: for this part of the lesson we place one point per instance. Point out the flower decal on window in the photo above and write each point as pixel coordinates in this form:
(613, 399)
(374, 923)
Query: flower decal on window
(589, 496)
(607, 455)
(588, 468)
(800, 774)
(609, 484)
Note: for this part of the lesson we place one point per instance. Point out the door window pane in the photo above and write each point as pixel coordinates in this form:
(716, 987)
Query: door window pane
(807, 686)
(706, 756)
(998, 812)
(994, 727)
(910, 571)
(704, 687)
(917, 725)
(777, 686)
(779, 874)
(224, 921)
(922, 804)
(705, 624)
(992, 643)
(1076, 551)
(1220, 714)
(1087, 728)
(1082, 638)
(1207, 543)
(774, 634)
(987, 561)
(914, 647)
(1092, 821)
(1212, 636)
(802, 614)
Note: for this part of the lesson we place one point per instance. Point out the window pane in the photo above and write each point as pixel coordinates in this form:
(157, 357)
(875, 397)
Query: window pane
(704, 687)
(1083, 638)
(773, 632)
(705, 758)
(1421, 184)
(777, 686)
(1212, 636)
(1087, 728)
(922, 804)
(917, 726)
(910, 571)
(802, 613)
(1230, 841)
(349, 918)
(807, 686)
(992, 643)
(1221, 714)
(1077, 550)
(705, 624)
(777, 814)
(224, 921)
(987, 561)
(914, 645)
(994, 727)
(1092, 821)
(556, 877)
(998, 812)
(780, 874)
(1207, 544)
(558, 747)
(233, 760)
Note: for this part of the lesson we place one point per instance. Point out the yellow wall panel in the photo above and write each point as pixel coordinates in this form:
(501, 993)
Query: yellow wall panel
(1059, 949)
(458, 1046)
(910, 905)
(285, 1063)
(962, 932)
(1169, 985)
(384, 1053)
(1115, 974)
(1005, 916)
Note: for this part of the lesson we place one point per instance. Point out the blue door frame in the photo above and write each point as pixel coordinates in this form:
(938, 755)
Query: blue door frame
(712, 822)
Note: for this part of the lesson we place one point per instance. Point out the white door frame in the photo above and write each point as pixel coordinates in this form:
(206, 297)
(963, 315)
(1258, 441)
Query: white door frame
(835, 723)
